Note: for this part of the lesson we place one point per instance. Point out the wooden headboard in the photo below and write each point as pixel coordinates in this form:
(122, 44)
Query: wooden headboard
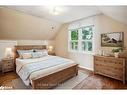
(27, 47)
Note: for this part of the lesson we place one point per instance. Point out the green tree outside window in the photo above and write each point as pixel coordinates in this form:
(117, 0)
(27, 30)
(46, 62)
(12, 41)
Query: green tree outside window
(74, 35)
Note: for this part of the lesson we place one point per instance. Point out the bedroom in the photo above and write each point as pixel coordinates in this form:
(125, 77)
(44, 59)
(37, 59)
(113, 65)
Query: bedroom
(57, 31)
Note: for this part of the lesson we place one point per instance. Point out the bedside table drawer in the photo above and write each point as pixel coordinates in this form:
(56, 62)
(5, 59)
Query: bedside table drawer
(8, 61)
(7, 69)
(9, 65)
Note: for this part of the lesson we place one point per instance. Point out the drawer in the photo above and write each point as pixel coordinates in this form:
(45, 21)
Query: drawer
(110, 67)
(118, 77)
(98, 59)
(7, 69)
(8, 61)
(8, 65)
(111, 74)
(110, 63)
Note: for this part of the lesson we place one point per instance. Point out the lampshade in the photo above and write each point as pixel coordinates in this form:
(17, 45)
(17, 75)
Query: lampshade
(8, 52)
(50, 48)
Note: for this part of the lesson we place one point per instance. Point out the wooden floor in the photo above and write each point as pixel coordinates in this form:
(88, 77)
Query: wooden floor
(6, 78)
(91, 82)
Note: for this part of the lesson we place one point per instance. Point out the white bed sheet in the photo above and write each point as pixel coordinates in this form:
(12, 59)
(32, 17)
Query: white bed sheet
(44, 72)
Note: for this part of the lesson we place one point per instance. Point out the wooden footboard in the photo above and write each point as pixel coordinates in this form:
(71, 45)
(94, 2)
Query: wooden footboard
(55, 79)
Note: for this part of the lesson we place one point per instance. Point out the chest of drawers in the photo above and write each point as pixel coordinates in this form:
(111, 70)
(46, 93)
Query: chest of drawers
(110, 67)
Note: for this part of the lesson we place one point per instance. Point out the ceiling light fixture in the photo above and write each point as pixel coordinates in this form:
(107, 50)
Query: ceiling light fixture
(54, 10)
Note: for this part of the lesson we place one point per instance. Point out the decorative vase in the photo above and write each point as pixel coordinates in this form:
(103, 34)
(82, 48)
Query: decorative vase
(116, 54)
(101, 52)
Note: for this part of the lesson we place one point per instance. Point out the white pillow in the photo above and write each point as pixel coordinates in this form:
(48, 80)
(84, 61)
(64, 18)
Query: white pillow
(37, 54)
(26, 55)
(44, 51)
(20, 52)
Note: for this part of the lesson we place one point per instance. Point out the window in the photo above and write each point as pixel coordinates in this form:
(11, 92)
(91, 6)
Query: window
(87, 35)
(81, 39)
(74, 39)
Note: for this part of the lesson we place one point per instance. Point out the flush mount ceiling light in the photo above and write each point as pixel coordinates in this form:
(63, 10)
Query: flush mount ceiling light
(54, 10)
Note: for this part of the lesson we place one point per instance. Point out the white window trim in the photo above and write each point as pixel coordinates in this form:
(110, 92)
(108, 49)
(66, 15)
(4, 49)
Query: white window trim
(79, 42)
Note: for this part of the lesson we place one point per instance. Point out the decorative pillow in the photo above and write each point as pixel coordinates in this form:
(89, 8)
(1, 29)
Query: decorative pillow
(26, 55)
(37, 54)
(20, 52)
(37, 50)
(44, 51)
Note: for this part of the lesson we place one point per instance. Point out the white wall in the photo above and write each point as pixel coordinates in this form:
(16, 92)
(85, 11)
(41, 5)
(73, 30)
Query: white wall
(103, 24)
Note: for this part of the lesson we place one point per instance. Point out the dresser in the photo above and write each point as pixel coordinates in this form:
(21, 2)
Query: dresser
(110, 66)
(7, 64)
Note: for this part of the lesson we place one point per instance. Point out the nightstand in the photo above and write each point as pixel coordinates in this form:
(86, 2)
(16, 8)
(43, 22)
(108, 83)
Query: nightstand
(51, 53)
(7, 64)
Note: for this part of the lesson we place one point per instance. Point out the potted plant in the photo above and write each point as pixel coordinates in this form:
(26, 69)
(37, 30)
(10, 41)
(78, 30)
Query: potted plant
(116, 51)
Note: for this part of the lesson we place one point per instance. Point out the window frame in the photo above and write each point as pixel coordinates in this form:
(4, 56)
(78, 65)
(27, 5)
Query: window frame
(79, 50)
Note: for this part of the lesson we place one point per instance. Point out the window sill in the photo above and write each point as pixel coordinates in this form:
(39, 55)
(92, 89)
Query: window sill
(81, 52)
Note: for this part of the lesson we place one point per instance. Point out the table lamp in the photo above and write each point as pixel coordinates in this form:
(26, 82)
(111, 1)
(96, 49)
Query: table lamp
(8, 52)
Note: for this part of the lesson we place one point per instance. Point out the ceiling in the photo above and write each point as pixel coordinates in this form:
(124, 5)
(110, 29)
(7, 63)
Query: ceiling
(50, 23)
(118, 13)
(72, 13)
(66, 13)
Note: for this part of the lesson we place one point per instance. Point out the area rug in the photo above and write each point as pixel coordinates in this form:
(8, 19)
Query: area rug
(69, 84)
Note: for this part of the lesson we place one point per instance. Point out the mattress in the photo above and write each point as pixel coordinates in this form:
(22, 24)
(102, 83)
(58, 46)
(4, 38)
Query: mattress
(43, 72)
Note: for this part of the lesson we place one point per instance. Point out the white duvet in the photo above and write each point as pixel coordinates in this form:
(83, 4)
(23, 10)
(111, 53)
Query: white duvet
(29, 69)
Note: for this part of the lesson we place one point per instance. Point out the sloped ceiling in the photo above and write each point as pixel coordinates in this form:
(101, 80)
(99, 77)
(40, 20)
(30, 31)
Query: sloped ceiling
(66, 13)
(118, 13)
(72, 13)
(36, 22)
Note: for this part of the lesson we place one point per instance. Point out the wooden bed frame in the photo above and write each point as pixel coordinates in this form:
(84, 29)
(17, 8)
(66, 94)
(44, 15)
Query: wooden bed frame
(53, 79)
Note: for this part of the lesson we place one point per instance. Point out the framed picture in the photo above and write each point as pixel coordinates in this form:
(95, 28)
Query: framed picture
(114, 39)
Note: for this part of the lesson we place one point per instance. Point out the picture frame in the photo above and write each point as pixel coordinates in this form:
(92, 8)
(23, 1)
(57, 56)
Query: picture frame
(114, 39)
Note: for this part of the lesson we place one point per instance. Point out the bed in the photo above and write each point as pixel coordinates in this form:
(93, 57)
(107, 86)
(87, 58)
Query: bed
(46, 72)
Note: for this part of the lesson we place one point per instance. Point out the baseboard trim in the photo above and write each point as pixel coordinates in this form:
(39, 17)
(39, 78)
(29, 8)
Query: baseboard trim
(86, 69)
